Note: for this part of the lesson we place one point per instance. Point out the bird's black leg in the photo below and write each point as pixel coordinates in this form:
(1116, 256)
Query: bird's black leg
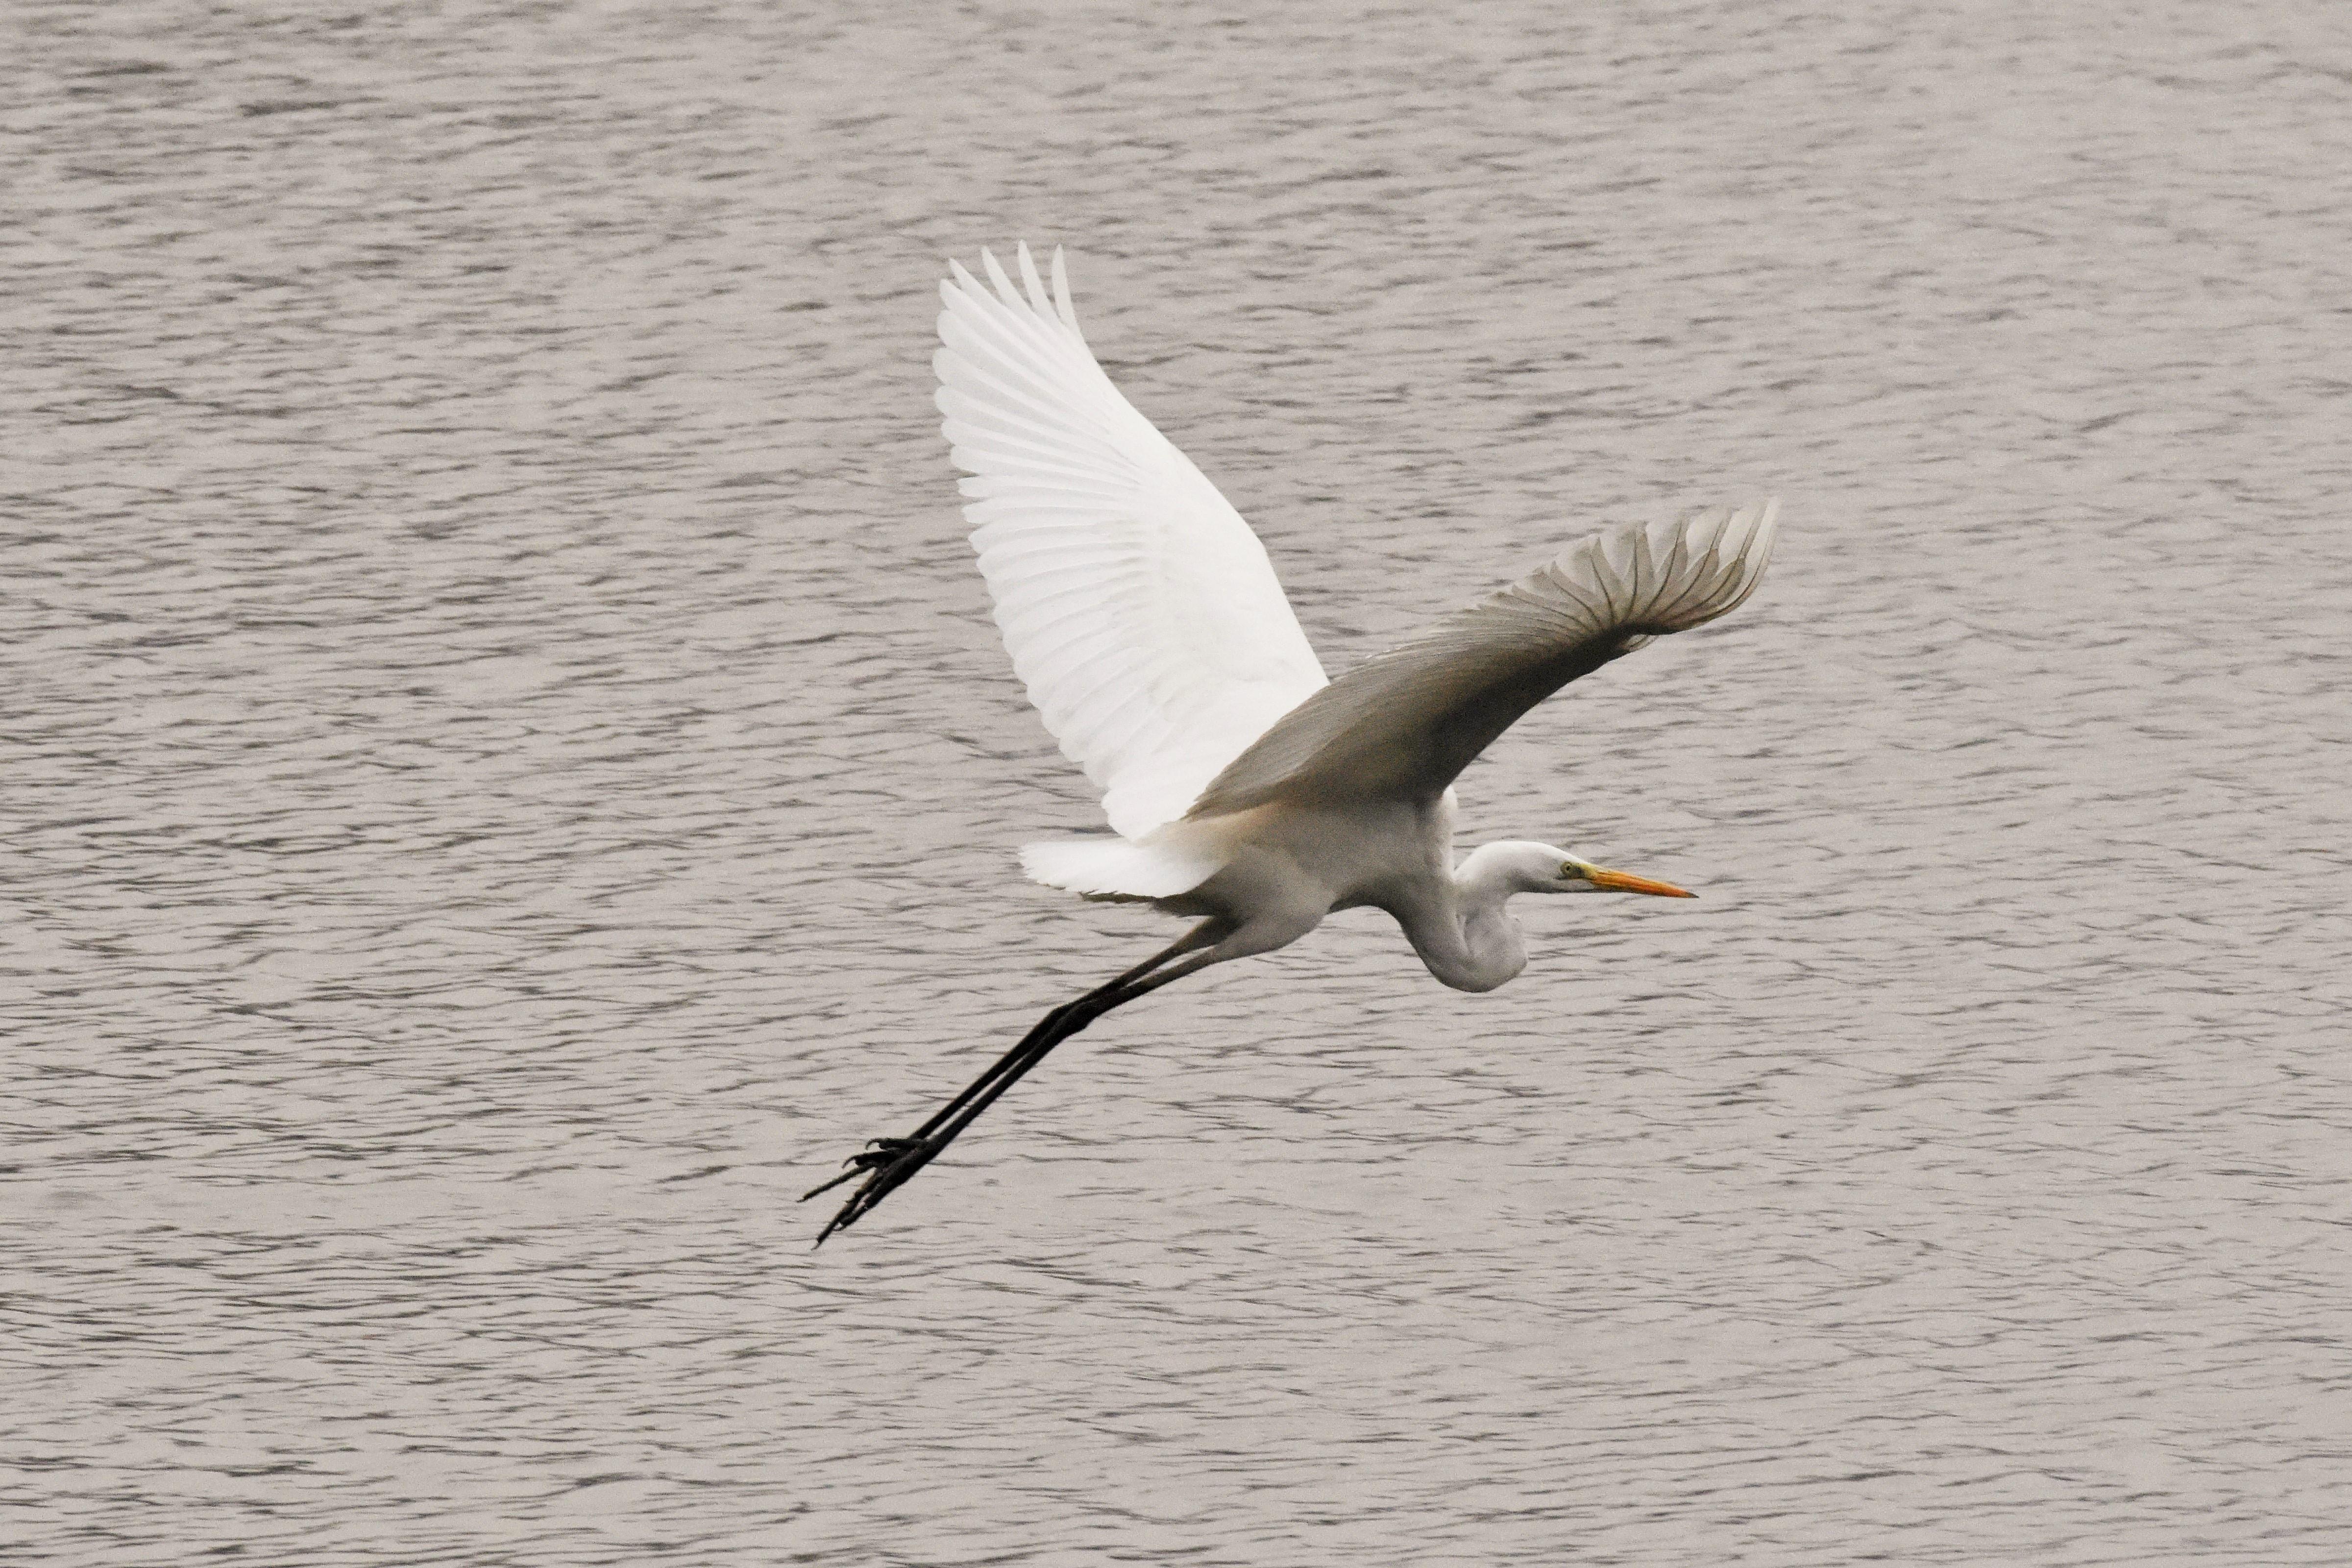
(883, 1150)
(887, 1162)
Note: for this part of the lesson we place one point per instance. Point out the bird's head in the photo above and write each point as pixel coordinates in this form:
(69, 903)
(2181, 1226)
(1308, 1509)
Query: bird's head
(1575, 874)
(1524, 867)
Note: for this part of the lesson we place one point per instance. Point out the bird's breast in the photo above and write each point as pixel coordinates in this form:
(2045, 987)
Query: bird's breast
(1370, 852)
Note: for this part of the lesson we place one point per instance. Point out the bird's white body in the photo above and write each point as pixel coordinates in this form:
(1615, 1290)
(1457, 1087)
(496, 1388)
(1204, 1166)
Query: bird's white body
(1244, 787)
(1288, 865)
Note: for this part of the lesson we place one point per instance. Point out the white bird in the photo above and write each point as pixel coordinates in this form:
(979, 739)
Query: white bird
(1245, 789)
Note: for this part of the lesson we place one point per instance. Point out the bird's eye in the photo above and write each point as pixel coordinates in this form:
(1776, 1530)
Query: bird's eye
(1570, 872)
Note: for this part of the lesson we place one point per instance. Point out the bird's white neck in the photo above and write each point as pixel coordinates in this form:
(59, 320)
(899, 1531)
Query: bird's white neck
(1477, 946)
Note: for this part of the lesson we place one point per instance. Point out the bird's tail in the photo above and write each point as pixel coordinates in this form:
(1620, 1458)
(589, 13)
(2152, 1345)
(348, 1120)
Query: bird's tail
(1174, 859)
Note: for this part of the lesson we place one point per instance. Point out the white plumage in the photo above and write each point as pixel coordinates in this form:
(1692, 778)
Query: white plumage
(1147, 622)
(1245, 789)
(1401, 725)
(1140, 609)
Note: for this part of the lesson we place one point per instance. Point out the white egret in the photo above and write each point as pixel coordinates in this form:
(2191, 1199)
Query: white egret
(1245, 790)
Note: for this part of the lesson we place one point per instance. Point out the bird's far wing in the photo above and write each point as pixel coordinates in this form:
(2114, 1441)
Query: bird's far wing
(1140, 611)
(1404, 723)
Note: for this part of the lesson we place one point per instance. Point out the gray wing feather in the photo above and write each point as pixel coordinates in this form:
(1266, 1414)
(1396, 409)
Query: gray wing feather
(1404, 723)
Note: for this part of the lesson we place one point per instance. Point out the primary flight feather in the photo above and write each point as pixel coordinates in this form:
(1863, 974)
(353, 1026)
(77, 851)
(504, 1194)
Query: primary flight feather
(1245, 789)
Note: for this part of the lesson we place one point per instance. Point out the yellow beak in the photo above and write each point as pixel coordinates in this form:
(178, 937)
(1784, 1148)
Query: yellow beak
(1626, 882)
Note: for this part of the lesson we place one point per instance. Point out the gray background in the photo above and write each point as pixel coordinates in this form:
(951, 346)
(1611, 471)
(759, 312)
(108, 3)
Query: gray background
(508, 774)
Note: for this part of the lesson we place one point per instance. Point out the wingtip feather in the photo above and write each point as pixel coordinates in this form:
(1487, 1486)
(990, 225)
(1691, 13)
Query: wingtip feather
(1062, 305)
(997, 276)
(1032, 285)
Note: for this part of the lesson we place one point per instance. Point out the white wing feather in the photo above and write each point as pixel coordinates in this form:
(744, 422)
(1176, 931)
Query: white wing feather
(1140, 611)
(1404, 723)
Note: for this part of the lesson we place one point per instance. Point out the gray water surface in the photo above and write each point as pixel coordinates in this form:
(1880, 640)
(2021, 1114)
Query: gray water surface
(507, 775)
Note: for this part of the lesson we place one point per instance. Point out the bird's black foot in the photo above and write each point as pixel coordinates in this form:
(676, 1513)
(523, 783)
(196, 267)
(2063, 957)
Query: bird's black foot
(885, 1162)
(878, 1151)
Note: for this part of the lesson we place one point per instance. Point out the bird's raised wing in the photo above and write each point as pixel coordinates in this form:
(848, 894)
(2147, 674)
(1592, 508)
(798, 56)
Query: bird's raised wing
(1404, 723)
(1140, 611)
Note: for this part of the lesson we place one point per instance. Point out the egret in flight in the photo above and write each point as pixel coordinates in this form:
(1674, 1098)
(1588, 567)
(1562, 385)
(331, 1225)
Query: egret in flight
(1247, 791)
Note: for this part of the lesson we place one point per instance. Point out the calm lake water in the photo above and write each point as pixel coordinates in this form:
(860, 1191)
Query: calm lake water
(507, 775)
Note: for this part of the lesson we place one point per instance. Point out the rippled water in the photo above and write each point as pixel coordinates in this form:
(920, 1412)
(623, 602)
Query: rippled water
(507, 775)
